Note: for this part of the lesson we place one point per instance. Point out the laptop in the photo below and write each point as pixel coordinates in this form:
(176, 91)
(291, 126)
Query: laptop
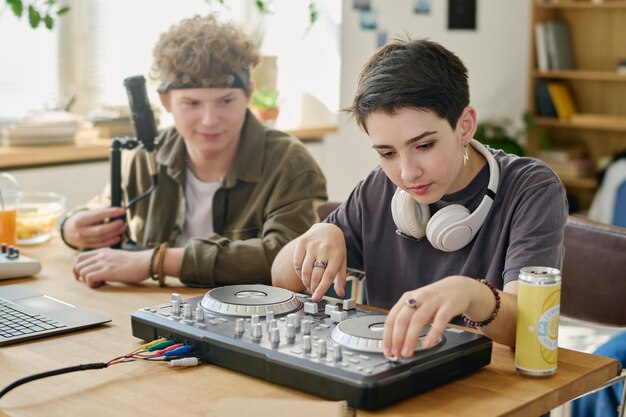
(27, 314)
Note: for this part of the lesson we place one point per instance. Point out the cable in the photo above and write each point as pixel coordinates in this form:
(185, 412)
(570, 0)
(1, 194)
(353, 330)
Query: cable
(174, 355)
(42, 375)
(155, 182)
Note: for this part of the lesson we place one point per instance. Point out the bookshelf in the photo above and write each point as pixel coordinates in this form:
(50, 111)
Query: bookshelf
(597, 39)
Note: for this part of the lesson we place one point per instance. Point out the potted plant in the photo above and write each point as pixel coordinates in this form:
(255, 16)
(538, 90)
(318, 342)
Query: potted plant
(264, 105)
(498, 134)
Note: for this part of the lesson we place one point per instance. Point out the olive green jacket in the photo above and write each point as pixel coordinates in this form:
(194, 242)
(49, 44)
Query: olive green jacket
(267, 199)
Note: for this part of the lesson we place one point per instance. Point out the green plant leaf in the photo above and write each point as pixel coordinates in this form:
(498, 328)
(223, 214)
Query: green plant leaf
(263, 5)
(49, 22)
(264, 99)
(313, 13)
(34, 18)
(63, 10)
(17, 7)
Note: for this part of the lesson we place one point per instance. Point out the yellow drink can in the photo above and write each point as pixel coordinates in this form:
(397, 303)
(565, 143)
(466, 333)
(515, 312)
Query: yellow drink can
(538, 308)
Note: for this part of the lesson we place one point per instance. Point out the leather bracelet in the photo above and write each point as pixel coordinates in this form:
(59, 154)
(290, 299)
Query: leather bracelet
(162, 251)
(69, 245)
(494, 313)
(151, 274)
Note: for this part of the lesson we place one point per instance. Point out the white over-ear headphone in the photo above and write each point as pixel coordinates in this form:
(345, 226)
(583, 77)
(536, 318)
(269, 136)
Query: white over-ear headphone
(452, 227)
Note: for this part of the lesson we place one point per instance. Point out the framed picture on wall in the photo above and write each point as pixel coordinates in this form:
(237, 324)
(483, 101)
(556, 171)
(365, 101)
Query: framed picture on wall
(462, 14)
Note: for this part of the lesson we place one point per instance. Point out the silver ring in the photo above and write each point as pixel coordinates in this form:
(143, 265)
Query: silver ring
(411, 303)
(320, 264)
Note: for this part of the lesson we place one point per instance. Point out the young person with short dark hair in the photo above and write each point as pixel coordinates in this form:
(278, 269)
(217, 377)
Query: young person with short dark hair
(444, 225)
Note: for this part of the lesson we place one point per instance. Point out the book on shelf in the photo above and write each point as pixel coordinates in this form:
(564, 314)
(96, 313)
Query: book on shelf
(558, 46)
(540, 47)
(545, 106)
(562, 99)
(114, 128)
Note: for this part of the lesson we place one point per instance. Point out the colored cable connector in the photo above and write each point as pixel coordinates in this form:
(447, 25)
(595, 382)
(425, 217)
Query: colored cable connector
(173, 354)
(184, 362)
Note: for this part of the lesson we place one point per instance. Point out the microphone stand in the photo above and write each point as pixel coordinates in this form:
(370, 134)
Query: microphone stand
(116, 147)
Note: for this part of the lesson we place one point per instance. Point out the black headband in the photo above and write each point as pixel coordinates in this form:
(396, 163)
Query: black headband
(236, 79)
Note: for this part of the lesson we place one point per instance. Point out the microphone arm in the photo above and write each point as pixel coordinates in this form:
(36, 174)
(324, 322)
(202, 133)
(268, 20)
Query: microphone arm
(145, 131)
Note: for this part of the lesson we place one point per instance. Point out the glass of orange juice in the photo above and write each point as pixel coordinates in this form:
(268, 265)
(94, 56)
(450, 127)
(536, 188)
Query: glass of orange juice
(9, 193)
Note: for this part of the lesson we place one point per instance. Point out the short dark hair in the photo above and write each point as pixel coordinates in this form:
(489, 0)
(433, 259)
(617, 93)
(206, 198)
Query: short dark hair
(412, 73)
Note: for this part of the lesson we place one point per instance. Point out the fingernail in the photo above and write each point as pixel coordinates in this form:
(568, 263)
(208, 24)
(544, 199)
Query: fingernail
(406, 352)
(386, 352)
(394, 352)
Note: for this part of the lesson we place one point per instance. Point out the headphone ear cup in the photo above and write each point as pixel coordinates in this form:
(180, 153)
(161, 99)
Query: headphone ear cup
(409, 216)
(446, 230)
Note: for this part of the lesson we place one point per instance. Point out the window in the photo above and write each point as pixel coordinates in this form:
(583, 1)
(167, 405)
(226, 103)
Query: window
(98, 43)
(28, 72)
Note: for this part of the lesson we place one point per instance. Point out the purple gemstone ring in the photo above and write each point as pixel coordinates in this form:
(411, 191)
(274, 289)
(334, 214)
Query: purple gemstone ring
(411, 302)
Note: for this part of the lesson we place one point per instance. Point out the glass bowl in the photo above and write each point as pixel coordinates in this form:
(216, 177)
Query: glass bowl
(37, 216)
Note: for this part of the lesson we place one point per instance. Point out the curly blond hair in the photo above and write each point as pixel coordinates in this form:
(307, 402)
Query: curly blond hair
(204, 52)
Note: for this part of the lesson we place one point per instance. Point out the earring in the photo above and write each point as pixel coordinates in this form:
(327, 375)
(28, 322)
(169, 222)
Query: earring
(465, 155)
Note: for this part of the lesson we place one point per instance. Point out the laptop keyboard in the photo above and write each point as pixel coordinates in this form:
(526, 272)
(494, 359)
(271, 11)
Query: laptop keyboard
(15, 322)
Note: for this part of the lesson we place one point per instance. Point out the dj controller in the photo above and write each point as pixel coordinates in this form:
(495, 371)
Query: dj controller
(330, 350)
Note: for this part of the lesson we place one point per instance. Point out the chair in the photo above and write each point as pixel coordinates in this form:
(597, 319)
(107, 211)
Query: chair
(324, 209)
(594, 281)
(594, 272)
(619, 214)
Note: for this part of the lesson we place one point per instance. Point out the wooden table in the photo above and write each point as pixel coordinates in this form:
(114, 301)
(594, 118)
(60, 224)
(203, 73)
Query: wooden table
(89, 148)
(144, 388)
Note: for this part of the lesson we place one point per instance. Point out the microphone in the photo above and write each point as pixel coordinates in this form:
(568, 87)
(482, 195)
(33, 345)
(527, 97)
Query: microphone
(145, 127)
(141, 112)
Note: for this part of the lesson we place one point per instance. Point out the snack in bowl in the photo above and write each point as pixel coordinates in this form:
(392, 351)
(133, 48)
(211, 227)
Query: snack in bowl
(37, 216)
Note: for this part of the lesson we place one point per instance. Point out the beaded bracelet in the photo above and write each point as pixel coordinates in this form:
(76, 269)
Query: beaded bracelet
(151, 274)
(162, 251)
(494, 313)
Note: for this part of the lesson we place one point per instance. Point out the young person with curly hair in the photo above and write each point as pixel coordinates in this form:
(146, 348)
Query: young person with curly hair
(231, 191)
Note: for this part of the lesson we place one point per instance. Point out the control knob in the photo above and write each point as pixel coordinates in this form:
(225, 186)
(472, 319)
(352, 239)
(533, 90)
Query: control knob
(187, 314)
(322, 347)
(239, 326)
(274, 337)
(175, 308)
(306, 341)
(291, 333)
(257, 330)
(199, 316)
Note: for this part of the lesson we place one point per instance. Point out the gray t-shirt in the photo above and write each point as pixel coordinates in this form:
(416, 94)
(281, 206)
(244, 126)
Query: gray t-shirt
(523, 228)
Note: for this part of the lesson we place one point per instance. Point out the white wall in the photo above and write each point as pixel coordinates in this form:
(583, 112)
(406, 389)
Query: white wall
(77, 182)
(496, 55)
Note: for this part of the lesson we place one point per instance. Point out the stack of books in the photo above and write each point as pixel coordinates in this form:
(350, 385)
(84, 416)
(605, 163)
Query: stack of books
(568, 162)
(42, 128)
